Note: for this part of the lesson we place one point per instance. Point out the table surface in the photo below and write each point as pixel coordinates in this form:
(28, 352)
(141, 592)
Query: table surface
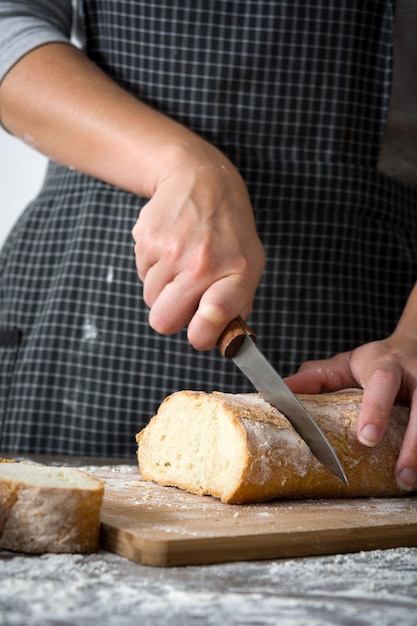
(357, 589)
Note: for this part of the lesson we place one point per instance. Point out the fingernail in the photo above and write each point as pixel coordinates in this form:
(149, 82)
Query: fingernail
(369, 435)
(407, 479)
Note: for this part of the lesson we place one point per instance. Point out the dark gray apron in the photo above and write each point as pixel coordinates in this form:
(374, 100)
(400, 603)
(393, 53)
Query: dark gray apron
(296, 93)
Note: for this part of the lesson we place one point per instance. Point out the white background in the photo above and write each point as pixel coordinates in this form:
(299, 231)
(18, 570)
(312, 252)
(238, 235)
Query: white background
(22, 171)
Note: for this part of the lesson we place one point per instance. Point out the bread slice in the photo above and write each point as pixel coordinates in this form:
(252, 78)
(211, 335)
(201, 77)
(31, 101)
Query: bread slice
(242, 450)
(48, 509)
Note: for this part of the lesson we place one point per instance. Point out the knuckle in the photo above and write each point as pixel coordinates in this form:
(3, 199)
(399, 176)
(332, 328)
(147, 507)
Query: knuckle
(387, 371)
(134, 232)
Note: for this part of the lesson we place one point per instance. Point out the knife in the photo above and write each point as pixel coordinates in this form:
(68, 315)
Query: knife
(237, 342)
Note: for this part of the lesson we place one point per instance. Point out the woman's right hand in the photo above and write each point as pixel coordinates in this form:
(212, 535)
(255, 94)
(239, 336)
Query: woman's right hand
(197, 249)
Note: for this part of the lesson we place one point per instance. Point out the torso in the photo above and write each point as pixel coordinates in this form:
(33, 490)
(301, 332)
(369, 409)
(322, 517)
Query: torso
(298, 98)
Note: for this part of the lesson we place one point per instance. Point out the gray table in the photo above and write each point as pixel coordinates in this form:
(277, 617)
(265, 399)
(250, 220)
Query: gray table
(103, 589)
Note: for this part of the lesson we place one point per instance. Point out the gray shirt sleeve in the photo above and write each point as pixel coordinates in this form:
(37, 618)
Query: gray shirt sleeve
(27, 24)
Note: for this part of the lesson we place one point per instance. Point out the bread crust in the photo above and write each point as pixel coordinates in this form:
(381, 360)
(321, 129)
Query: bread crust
(37, 518)
(276, 462)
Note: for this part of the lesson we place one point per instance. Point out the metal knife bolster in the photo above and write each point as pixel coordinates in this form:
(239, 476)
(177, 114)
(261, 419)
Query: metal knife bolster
(241, 347)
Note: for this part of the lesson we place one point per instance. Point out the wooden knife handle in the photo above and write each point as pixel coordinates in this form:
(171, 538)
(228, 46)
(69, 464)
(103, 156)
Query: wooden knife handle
(233, 336)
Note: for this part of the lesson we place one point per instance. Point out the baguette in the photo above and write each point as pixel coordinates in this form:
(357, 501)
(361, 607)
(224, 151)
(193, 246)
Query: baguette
(238, 448)
(48, 509)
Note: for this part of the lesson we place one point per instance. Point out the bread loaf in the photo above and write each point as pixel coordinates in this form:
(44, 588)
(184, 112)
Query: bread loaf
(48, 509)
(242, 450)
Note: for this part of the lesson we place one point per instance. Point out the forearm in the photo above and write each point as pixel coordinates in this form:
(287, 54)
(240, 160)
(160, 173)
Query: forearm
(59, 102)
(197, 249)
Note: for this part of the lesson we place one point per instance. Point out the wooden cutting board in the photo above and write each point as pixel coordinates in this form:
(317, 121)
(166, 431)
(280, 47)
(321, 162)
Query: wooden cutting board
(165, 526)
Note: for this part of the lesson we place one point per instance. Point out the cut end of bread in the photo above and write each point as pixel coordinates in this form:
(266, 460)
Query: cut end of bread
(189, 450)
(48, 476)
(48, 509)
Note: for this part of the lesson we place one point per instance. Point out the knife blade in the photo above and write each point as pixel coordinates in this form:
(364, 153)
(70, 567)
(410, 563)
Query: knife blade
(237, 342)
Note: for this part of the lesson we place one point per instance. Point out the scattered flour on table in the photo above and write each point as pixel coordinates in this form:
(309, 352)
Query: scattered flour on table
(360, 589)
(78, 590)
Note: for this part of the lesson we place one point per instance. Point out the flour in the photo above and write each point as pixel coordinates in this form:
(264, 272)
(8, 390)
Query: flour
(363, 589)
(126, 482)
(360, 589)
(277, 445)
(90, 330)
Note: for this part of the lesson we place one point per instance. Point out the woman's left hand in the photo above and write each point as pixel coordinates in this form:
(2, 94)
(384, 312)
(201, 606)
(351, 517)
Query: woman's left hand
(387, 372)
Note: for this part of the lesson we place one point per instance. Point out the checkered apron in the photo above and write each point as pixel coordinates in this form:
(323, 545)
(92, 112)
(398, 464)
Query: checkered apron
(296, 93)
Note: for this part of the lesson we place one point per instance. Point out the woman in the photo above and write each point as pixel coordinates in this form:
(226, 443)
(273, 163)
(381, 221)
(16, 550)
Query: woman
(222, 125)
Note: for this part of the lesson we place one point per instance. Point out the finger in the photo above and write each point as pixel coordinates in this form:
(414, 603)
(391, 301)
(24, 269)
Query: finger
(145, 257)
(157, 278)
(406, 467)
(379, 395)
(174, 307)
(142, 263)
(222, 302)
(148, 245)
